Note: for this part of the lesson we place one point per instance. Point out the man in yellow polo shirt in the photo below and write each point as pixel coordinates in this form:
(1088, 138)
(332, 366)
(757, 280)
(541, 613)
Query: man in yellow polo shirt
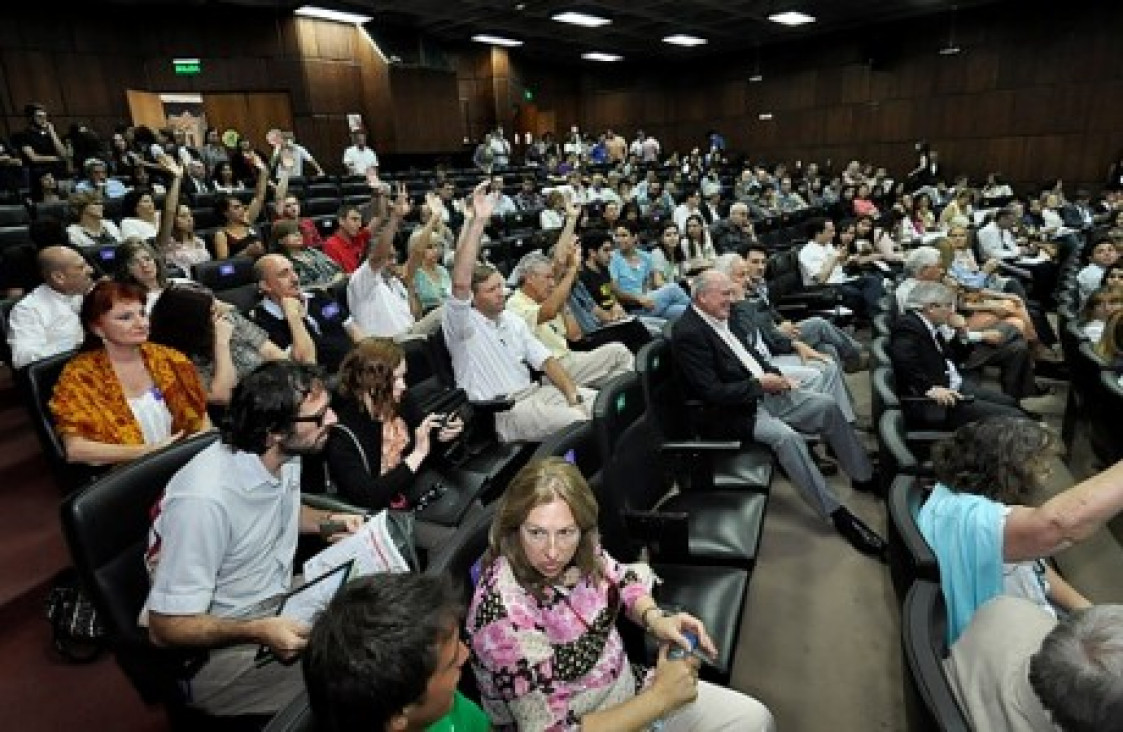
(540, 300)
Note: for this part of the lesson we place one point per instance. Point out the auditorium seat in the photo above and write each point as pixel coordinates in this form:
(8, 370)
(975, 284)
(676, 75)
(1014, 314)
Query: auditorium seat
(930, 704)
(695, 525)
(697, 463)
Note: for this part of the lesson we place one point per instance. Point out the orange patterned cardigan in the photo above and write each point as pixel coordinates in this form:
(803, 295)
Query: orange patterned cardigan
(88, 401)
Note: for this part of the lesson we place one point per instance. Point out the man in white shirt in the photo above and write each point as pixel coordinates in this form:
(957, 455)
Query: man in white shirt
(382, 303)
(822, 264)
(491, 347)
(691, 206)
(46, 321)
(996, 239)
(500, 149)
(358, 159)
(224, 539)
(1091, 276)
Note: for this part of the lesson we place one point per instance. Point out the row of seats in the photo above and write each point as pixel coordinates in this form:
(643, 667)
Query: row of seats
(702, 542)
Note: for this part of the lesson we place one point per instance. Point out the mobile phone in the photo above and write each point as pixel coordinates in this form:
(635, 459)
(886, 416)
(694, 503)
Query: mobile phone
(676, 652)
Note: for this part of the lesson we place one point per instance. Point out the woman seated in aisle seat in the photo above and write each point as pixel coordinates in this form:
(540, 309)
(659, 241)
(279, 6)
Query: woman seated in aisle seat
(123, 397)
(542, 626)
(987, 539)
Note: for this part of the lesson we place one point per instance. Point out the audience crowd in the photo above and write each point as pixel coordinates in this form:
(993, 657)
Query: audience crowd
(542, 272)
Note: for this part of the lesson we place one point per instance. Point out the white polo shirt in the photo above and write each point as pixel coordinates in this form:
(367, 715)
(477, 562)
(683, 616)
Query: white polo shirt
(489, 357)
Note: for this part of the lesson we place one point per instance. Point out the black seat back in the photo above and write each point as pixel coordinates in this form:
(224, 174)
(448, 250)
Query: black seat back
(633, 479)
(929, 701)
(662, 393)
(106, 528)
(224, 274)
(40, 378)
(910, 556)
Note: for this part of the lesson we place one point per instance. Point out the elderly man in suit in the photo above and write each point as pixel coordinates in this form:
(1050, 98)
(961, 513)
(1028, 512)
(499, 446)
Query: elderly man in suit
(741, 391)
(926, 346)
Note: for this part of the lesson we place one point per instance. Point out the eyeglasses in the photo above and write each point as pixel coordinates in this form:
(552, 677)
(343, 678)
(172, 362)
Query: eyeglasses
(317, 418)
(539, 537)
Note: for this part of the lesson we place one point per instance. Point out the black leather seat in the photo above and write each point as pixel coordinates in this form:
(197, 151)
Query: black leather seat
(40, 378)
(718, 526)
(910, 556)
(224, 274)
(697, 463)
(930, 703)
(295, 717)
(106, 528)
(714, 594)
(896, 454)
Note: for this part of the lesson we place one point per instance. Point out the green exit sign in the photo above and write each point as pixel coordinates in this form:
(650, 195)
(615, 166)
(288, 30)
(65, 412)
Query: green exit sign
(187, 66)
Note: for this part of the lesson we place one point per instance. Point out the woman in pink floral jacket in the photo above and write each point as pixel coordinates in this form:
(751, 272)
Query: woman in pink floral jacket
(542, 624)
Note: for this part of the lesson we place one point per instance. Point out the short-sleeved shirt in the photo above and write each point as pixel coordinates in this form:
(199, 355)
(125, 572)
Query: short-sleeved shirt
(598, 283)
(347, 251)
(631, 277)
(379, 302)
(224, 535)
(488, 356)
(551, 333)
(327, 320)
(811, 259)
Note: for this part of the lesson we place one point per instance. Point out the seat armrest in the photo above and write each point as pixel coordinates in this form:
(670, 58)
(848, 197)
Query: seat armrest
(665, 534)
(696, 446)
(926, 435)
(492, 406)
(330, 503)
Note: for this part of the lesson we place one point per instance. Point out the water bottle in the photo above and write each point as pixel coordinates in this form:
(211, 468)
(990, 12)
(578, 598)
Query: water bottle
(675, 653)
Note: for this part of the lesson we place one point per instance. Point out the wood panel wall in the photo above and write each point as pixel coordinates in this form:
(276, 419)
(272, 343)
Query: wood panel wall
(79, 65)
(1037, 92)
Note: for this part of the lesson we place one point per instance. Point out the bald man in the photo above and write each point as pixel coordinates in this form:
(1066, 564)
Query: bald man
(312, 327)
(745, 397)
(46, 322)
(734, 233)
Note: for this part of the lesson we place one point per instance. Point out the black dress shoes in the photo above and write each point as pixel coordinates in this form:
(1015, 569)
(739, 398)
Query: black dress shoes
(860, 536)
(826, 465)
(871, 485)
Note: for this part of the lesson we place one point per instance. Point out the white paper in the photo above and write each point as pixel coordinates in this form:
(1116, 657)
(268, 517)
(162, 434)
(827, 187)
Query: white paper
(371, 547)
(306, 602)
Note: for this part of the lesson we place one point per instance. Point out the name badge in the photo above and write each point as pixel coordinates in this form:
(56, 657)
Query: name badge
(330, 311)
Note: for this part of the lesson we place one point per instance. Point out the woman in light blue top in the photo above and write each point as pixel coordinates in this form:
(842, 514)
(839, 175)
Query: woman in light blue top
(430, 278)
(986, 541)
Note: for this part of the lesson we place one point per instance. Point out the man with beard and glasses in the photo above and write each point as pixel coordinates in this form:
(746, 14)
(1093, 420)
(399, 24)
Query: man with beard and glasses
(224, 538)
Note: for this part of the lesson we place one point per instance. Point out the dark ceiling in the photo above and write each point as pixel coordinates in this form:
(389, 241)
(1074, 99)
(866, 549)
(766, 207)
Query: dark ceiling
(638, 26)
(730, 26)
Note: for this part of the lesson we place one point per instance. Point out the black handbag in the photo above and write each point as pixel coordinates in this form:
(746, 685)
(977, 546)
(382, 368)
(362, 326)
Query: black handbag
(76, 630)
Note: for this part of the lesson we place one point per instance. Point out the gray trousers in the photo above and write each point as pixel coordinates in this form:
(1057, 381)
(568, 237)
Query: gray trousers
(781, 422)
(820, 377)
(823, 335)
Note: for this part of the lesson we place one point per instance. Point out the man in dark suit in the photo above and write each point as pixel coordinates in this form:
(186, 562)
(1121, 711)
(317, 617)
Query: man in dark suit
(196, 179)
(925, 363)
(742, 391)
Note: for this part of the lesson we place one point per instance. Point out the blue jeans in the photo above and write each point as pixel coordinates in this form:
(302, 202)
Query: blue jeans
(671, 301)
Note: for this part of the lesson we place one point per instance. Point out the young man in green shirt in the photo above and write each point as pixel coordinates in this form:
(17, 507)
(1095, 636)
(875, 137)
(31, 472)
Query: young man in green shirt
(386, 655)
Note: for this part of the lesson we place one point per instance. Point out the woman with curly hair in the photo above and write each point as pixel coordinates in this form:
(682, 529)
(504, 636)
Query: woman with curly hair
(987, 541)
(374, 452)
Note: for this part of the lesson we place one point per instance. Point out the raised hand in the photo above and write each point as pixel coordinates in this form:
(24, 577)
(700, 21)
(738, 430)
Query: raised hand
(401, 203)
(483, 203)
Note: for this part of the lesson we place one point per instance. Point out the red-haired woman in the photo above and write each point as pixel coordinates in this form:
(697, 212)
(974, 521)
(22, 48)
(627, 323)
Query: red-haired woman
(124, 397)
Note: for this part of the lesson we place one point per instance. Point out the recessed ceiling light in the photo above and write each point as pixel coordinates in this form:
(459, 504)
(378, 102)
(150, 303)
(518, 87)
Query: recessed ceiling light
(764, 116)
(598, 56)
(311, 11)
(681, 39)
(791, 17)
(582, 19)
(496, 40)
(949, 50)
(756, 77)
